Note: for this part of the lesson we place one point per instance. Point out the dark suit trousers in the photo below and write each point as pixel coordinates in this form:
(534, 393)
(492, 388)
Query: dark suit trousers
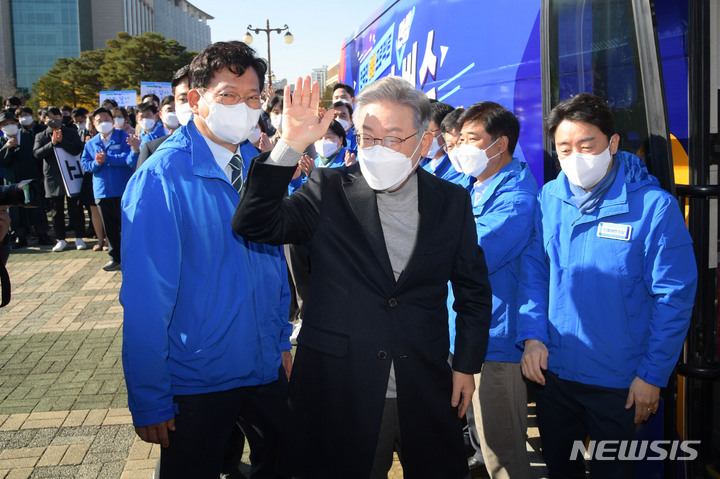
(109, 209)
(204, 426)
(75, 212)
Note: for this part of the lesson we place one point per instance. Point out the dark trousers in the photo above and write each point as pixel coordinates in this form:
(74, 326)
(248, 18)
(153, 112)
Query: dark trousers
(75, 212)
(109, 209)
(21, 219)
(569, 411)
(204, 426)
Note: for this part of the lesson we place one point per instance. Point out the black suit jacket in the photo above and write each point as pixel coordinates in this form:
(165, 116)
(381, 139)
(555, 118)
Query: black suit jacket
(149, 148)
(43, 150)
(18, 162)
(359, 319)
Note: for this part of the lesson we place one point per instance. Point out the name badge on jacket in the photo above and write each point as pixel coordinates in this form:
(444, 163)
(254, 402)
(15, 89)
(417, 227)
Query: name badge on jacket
(614, 231)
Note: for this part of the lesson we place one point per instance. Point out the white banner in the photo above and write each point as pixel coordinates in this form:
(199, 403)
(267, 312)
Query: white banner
(161, 89)
(71, 170)
(122, 97)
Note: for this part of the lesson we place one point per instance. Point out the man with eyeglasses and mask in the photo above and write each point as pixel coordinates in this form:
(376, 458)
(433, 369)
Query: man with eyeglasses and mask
(385, 237)
(205, 333)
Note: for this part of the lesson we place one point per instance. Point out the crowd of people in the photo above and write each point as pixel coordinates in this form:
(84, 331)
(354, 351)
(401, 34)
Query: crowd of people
(400, 244)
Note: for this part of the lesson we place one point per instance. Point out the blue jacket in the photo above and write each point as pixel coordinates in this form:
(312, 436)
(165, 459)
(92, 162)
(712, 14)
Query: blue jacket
(609, 309)
(110, 178)
(204, 309)
(446, 171)
(351, 138)
(338, 161)
(504, 221)
(157, 132)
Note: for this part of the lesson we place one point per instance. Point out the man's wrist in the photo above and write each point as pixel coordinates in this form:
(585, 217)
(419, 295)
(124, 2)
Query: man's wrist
(284, 154)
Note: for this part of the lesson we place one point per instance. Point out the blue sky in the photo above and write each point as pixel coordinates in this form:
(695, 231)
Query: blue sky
(319, 28)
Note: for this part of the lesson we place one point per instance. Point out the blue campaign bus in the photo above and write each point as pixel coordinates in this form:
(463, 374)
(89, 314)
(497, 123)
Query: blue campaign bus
(656, 62)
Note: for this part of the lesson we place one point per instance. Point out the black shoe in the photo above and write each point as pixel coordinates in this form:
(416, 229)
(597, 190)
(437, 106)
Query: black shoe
(474, 464)
(20, 242)
(45, 240)
(112, 266)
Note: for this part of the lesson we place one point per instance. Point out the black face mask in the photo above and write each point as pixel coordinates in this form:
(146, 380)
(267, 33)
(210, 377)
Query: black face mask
(67, 120)
(54, 124)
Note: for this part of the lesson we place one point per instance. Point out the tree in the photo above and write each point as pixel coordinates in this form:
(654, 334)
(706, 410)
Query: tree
(71, 81)
(148, 57)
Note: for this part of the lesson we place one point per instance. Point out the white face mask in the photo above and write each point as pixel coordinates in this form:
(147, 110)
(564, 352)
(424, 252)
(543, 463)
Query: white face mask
(184, 113)
(231, 123)
(255, 135)
(26, 120)
(585, 169)
(471, 160)
(344, 123)
(383, 168)
(434, 148)
(326, 148)
(10, 129)
(276, 121)
(171, 120)
(119, 122)
(147, 124)
(105, 127)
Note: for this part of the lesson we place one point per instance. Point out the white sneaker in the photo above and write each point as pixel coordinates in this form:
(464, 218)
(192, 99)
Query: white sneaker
(61, 245)
(80, 244)
(295, 332)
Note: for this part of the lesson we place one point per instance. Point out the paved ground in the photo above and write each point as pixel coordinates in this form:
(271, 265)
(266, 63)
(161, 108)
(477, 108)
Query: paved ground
(63, 403)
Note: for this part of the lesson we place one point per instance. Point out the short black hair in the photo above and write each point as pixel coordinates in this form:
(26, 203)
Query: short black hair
(167, 100)
(13, 100)
(99, 111)
(79, 111)
(148, 105)
(438, 112)
(109, 104)
(152, 96)
(584, 107)
(277, 99)
(350, 90)
(25, 109)
(495, 120)
(54, 111)
(234, 56)
(66, 108)
(343, 103)
(338, 129)
(179, 76)
(450, 122)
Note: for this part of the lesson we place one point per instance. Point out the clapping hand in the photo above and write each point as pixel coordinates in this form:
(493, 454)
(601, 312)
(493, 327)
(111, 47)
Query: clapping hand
(56, 137)
(134, 142)
(301, 123)
(307, 164)
(350, 158)
(100, 157)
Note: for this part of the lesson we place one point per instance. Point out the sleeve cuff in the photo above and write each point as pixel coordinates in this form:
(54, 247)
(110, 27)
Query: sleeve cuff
(283, 155)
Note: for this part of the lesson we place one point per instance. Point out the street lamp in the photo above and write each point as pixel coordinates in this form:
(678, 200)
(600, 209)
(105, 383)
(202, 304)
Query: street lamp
(248, 40)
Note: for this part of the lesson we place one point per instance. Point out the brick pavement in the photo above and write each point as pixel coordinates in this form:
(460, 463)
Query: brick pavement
(63, 402)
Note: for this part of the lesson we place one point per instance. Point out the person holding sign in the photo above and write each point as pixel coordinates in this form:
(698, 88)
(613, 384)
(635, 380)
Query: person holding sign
(57, 175)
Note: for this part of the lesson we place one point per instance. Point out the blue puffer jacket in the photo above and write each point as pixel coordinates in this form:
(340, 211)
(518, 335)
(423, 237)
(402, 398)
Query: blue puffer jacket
(204, 309)
(610, 292)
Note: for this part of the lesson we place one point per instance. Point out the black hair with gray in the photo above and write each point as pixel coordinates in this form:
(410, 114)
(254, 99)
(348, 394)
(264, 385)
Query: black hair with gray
(495, 120)
(399, 91)
(450, 123)
(234, 56)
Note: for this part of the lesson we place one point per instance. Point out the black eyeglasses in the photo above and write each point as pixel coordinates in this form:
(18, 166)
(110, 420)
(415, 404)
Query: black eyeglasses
(392, 142)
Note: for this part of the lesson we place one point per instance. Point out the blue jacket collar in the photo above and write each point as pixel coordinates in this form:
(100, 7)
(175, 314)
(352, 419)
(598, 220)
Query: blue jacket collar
(512, 169)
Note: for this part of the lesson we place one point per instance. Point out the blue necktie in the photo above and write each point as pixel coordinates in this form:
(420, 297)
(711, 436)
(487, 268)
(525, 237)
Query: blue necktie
(236, 166)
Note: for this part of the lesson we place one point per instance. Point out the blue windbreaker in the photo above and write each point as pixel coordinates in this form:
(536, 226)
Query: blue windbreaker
(610, 292)
(504, 220)
(204, 309)
(110, 178)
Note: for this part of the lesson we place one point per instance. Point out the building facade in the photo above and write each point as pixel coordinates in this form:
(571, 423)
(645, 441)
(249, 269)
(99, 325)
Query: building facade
(35, 33)
(320, 75)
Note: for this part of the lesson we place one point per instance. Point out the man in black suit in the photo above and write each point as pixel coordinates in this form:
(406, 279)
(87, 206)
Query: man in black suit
(58, 135)
(181, 87)
(371, 373)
